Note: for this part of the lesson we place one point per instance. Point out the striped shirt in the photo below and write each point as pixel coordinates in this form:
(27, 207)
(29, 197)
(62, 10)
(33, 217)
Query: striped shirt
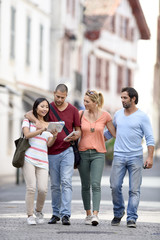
(37, 154)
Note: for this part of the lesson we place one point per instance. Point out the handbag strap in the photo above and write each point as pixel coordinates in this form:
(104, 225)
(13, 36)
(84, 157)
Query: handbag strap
(81, 115)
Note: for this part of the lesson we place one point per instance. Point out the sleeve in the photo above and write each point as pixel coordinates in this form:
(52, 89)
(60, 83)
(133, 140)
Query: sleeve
(109, 118)
(148, 132)
(107, 134)
(25, 123)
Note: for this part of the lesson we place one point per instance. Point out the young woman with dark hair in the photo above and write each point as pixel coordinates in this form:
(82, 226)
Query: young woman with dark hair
(35, 169)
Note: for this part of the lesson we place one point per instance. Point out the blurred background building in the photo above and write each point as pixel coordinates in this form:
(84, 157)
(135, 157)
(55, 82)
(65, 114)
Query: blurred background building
(86, 44)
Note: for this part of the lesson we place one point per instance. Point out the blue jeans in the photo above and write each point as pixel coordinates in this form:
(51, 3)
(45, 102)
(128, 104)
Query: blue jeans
(119, 167)
(61, 171)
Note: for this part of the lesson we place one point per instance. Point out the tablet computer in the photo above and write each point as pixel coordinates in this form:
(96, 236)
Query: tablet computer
(55, 126)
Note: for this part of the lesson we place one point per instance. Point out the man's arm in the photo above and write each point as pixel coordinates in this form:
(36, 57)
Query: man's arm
(29, 115)
(148, 133)
(149, 161)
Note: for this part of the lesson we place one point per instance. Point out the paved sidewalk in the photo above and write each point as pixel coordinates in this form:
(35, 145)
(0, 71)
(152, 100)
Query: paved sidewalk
(13, 224)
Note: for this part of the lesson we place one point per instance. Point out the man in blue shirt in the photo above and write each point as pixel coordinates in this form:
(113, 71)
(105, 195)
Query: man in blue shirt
(131, 126)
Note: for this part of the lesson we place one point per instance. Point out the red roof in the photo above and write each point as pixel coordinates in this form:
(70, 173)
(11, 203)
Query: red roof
(97, 11)
(139, 16)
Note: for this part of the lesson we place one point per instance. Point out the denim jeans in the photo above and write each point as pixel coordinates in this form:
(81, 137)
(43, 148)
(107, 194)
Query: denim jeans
(91, 169)
(119, 167)
(61, 171)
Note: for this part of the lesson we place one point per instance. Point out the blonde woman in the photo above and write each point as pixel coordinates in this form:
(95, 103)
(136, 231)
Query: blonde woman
(92, 150)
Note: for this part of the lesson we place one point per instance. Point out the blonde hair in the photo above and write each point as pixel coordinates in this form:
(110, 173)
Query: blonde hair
(95, 97)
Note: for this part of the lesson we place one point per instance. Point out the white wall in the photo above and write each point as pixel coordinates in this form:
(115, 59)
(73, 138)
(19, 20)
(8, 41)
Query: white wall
(15, 74)
(146, 61)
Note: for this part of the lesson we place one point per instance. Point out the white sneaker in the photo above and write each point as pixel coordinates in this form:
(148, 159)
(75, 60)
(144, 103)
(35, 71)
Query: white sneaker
(39, 217)
(87, 220)
(95, 220)
(31, 220)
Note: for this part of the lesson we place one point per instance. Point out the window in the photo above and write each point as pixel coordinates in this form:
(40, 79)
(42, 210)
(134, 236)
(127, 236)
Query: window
(121, 26)
(128, 77)
(78, 81)
(73, 8)
(65, 59)
(132, 34)
(40, 47)
(119, 78)
(88, 73)
(28, 41)
(113, 24)
(106, 79)
(79, 58)
(126, 28)
(12, 40)
(62, 59)
(98, 72)
(70, 5)
(10, 122)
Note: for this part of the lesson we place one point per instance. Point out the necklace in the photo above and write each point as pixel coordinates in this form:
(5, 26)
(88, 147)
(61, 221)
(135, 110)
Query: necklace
(92, 129)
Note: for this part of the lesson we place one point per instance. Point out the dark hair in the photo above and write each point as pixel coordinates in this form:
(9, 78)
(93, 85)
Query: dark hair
(35, 105)
(131, 93)
(62, 88)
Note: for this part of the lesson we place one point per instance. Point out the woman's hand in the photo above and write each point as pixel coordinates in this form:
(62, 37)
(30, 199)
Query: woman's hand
(51, 140)
(54, 133)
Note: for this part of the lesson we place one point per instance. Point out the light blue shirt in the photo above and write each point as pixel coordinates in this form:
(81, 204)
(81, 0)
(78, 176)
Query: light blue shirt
(130, 131)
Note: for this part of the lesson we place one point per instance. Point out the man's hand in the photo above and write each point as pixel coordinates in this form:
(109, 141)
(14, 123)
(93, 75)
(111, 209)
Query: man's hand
(38, 124)
(148, 163)
(74, 137)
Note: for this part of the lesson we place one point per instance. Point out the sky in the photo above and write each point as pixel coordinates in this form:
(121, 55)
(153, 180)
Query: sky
(146, 56)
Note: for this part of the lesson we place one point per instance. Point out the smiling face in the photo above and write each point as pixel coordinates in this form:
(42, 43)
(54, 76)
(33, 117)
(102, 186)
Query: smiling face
(42, 109)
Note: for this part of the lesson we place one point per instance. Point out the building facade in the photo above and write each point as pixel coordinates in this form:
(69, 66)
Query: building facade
(113, 29)
(24, 71)
(67, 31)
(86, 44)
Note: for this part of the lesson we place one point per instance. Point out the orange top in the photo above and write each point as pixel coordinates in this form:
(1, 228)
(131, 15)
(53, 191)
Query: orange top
(93, 139)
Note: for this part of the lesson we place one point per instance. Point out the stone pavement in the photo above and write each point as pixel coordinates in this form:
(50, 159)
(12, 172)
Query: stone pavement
(13, 218)
(13, 224)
